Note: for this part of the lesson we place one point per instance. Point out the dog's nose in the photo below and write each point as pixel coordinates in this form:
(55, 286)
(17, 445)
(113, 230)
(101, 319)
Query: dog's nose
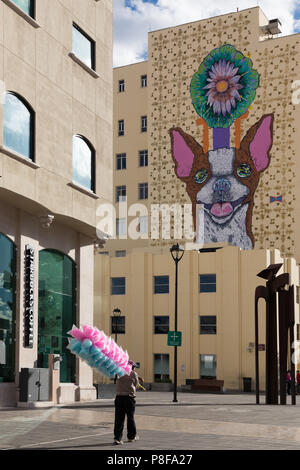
(222, 186)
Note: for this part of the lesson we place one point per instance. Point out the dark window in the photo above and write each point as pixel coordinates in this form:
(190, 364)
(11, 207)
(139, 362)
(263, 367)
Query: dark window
(161, 325)
(83, 47)
(118, 285)
(120, 193)
(121, 127)
(143, 154)
(83, 163)
(144, 123)
(19, 125)
(121, 86)
(120, 253)
(118, 325)
(143, 191)
(26, 5)
(121, 161)
(207, 282)
(161, 284)
(144, 81)
(208, 325)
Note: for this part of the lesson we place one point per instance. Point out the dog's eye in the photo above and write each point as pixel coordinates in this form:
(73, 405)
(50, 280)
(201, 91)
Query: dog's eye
(244, 170)
(201, 176)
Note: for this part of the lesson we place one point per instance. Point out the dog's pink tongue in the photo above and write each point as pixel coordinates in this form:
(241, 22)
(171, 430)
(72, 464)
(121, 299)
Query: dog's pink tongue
(221, 209)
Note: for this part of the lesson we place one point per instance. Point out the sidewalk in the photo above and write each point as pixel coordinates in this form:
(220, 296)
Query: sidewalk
(197, 421)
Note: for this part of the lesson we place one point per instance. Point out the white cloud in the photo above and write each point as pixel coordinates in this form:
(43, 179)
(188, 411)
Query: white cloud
(131, 25)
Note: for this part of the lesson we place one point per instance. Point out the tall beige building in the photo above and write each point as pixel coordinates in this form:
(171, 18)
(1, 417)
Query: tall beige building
(55, 168)
(226, 88)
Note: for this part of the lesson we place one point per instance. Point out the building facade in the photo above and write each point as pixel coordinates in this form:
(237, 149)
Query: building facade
(55, 168)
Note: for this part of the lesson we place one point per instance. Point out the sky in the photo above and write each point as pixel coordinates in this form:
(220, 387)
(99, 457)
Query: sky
(133, 19)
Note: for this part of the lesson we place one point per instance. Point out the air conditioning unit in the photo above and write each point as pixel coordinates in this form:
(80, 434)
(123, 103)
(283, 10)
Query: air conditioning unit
(272, 28)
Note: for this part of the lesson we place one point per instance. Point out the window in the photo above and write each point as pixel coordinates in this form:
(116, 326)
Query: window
(121, 226)
(18, 126)
(7, 309)
(120, 193)
(144, 123)
(118, 325)
(121, 161)
(143, 154)
(208, 366)
(120, 253)
(161, 367)
(83, 163)
(143, 224)
(161, 325)
(208, 325)
(118, 285)
(105, 253)
(207, 282)
(161, 284)
(57, 310)
(83, 47)
(143, 191)
(121, 127)
(143, 81)
(121, 86)
(26, 5)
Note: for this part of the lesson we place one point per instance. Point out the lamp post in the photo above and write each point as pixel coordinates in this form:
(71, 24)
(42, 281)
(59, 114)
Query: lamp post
(177, 253)
(116, 314)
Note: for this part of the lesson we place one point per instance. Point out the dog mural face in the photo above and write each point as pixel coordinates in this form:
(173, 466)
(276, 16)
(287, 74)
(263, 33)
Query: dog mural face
(224, 181)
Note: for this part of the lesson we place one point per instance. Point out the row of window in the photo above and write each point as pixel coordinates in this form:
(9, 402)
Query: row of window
(161, 369)
(207, 325)
(207, 283)
(121, 192)
(121, 160)
(121, 125)
(19, 137)
(121, 84)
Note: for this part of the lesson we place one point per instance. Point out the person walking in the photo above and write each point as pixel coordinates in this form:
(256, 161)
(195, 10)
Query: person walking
(289, 382)
(298, 382)
(125, 405)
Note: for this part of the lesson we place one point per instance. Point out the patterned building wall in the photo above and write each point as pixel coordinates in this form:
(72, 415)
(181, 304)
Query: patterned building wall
(175, 54)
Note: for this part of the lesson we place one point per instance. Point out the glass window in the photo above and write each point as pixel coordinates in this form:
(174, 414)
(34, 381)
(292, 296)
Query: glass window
(207, 283)
(118, 285)
(144, 81)
(120, 193)
(208, 366)
(143, 191)
(83, 163)
(143, 154)
(7, 309)
(161, 367)
(161, 325)
(26, 5)
(121, 127)
(161, 284)
(57, 310)
(121, 86)
(118, 325)
(120, 253)
(143, 224)
(18, 126)
(83, 47)
(121, 226)
(121, 161)
(144, 123)
(208, 325)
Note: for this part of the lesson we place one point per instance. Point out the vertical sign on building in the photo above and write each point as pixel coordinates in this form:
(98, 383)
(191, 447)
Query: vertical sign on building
(29, 296)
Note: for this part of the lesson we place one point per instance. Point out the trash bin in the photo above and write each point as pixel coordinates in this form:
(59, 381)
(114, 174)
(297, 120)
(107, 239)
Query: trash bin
(247, 384)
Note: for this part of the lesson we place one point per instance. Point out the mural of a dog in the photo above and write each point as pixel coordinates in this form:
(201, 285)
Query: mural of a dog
(224, 181)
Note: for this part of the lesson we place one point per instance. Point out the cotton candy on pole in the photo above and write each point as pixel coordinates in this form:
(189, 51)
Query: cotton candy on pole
(99, 351)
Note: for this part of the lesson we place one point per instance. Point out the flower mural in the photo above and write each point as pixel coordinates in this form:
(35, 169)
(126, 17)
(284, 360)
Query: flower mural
(224, 86)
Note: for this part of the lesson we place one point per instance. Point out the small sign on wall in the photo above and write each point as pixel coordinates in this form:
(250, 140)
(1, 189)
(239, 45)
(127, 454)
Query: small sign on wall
(29, 296)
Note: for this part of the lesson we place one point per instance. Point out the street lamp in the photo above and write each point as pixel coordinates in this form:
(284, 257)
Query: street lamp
(116, 314)
(177, 253)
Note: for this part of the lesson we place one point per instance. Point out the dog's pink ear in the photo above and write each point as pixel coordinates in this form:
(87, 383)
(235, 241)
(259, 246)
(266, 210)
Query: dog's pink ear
(262, 141)
(183, 148)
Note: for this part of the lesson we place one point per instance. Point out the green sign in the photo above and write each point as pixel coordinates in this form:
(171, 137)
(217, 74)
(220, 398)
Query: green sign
(174, 338)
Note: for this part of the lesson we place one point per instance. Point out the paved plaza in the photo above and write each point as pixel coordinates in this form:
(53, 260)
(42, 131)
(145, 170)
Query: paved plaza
(196, 422)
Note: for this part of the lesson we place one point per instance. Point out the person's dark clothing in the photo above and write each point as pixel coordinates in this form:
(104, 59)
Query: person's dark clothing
(124, 406)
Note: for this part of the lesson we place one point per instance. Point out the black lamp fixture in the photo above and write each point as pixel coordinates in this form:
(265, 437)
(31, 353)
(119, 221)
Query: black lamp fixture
(177, 253)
